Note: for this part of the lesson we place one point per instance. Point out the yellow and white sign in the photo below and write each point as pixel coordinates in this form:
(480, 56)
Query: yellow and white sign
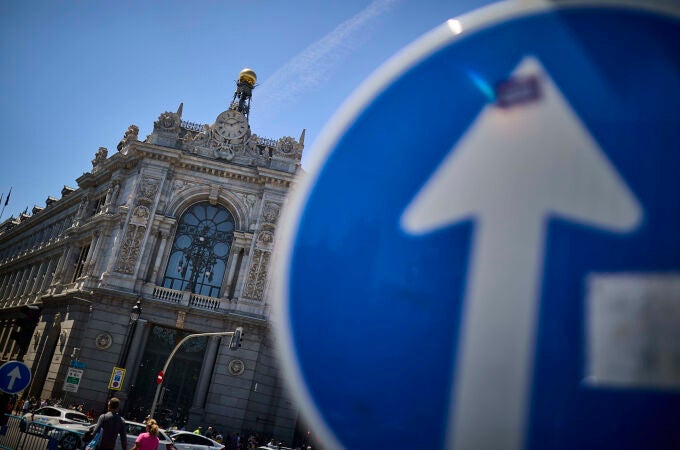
(117, 377)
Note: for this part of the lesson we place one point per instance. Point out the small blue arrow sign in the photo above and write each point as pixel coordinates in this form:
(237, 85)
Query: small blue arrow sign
(488, 257)
(14, 377)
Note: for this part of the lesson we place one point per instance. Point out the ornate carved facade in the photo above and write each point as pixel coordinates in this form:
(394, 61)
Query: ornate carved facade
(183, 221)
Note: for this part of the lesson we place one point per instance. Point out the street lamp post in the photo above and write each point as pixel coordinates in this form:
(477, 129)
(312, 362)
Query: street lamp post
(135, 313)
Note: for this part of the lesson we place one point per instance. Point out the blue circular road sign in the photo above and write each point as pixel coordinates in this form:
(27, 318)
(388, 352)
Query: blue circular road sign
(487, 252)
(14, 377)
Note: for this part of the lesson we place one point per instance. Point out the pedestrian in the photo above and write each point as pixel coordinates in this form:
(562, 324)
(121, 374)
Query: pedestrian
(149, 439)
(26, 407)
(209, 433)
(198, 430)
(111, 425)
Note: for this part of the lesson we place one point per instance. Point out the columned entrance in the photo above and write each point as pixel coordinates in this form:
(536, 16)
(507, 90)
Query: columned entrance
(180, 382)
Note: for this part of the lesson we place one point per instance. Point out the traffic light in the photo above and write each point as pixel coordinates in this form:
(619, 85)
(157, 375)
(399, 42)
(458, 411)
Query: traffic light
(27, 319)
(236, 339)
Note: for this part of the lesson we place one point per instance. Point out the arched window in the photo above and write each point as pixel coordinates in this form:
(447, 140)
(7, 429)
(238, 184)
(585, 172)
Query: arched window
(198, 258)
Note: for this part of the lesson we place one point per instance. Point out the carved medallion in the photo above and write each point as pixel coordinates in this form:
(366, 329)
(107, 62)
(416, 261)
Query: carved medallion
(236, 367)
(103, 341)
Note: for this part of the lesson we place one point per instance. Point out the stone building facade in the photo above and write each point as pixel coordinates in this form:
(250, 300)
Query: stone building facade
(181, 223)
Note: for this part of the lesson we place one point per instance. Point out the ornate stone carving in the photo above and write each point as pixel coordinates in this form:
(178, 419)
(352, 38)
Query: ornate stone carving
(131, 246)
(271, 212)
(129, 137)
(129, 251)
(236, 367)
(147, 189)
(99, 158)
(226, 139)
(111, 196)
(214, 194)
(287, 145)
(168, 121)
(179, 185)
(248, 201)
(103, 341)
(257, 276)
(265, 238)
(140, 216)
(181, 318)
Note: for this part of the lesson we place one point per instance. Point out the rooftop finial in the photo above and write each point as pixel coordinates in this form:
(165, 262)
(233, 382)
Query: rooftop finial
(244, 91)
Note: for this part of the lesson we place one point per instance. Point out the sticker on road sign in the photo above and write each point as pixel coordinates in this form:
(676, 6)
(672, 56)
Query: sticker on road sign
(433, 280)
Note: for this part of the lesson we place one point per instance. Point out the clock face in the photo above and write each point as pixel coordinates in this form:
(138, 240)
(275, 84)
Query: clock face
(231, 125)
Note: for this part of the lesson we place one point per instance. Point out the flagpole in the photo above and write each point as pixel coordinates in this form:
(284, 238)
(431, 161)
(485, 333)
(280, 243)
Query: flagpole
(5, 204)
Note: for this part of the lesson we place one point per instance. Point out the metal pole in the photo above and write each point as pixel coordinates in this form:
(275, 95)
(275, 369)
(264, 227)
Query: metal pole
(172, 354)
(128, 341)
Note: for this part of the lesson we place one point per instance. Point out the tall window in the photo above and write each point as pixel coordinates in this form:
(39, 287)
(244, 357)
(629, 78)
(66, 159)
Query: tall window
(198, 258)
(80, 262)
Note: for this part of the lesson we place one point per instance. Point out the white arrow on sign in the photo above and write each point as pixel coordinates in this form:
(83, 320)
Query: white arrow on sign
(513, 168)
(13, 375)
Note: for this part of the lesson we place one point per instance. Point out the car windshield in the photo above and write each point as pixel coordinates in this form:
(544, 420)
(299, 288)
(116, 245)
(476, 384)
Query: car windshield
(77, 417)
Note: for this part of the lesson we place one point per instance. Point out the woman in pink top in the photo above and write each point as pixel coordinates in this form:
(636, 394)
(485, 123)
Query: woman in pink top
(148, 440)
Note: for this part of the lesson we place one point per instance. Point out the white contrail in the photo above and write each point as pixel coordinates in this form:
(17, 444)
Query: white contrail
(314, 64)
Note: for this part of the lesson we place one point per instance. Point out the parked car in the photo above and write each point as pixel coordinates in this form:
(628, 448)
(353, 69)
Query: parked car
(34, 422)
(72, 436)
(134, 429)
(185, 440)
(76, 436)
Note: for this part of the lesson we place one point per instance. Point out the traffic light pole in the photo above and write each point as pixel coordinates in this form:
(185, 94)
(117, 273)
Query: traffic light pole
(172, 354)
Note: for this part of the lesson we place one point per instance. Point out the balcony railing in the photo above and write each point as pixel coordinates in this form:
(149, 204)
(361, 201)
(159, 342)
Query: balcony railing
(185, 298)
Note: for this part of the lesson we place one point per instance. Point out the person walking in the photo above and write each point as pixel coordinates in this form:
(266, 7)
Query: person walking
(111, 426)
(149, 439)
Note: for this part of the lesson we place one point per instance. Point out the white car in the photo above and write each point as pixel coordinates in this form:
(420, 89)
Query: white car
(34, 422)
(71, 436)
(134, 429)
(185, 440)
(76, 436)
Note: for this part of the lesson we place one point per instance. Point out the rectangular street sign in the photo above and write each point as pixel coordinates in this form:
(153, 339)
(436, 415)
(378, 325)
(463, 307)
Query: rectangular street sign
(72, 381)
(117, 377)
(77, 364)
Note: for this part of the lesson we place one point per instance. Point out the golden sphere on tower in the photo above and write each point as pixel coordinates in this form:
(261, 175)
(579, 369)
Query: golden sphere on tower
(248, 75)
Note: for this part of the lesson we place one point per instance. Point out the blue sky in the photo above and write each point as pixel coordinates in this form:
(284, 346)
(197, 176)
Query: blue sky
(76, 74)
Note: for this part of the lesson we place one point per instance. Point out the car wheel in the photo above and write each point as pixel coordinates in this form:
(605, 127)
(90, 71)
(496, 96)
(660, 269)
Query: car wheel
(69, 441)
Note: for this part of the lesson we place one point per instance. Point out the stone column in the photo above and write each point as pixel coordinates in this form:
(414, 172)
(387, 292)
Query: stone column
(48, 277)
(29, 280)
(6, 282)
(35, 286)
(231, 268)
(206, 374)
(17, 283)
(63, 262)
(93, 253)
(159, 257)
(117, 242)
(10, 284)
(242, 277)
